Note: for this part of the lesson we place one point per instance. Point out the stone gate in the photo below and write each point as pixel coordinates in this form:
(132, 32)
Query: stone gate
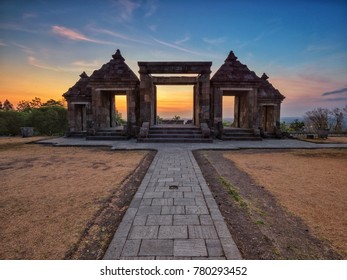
(91, 101)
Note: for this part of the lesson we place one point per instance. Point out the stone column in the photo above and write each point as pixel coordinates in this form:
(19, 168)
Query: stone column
(204, 96)
(145, 98)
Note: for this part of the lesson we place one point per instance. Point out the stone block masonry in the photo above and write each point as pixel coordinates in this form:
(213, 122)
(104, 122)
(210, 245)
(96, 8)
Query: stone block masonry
(173, 215)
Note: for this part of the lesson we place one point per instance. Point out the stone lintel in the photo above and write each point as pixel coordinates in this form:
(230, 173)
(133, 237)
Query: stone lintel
(79, 103)
(174, 80)
(114, 89)
(175, 67)
(236, 89)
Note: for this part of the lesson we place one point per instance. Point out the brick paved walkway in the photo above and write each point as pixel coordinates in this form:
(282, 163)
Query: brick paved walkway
(173, 215)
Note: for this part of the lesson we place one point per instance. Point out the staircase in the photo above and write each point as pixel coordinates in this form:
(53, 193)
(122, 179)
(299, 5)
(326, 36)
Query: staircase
(239, 134)
(108, 134)
(77, 134)
(175, 134)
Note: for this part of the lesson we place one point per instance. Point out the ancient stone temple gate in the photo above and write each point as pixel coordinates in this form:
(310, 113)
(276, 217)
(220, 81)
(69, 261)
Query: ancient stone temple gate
(91, 102)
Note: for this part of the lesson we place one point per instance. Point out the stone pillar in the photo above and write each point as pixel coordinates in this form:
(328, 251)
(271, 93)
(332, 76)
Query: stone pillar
(145, 98)
(204, 98)
(217, 105)
(253, 121)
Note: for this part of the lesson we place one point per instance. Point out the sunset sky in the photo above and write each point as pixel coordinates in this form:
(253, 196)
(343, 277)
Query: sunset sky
(300, 44)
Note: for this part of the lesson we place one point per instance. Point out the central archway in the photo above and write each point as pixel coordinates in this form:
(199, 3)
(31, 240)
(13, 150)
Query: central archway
(200, 82)
(175, 103)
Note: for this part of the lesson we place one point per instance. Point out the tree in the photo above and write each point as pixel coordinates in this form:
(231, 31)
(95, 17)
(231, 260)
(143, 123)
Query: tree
(338, 117)
(1, 108)
(52, 102)
(317, 119)
(35, 103)
(7, 105)
(118, 118)
(296, 125)
(23, 106)
(176, 118)
(10, 122)
(49, 120)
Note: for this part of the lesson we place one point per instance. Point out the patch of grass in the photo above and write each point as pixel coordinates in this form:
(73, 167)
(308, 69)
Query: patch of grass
(259, 222)
(233, 192)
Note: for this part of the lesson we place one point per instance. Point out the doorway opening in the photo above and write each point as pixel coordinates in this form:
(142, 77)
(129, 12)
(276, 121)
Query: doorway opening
(228, 110)
(174, 104)
(120, 109)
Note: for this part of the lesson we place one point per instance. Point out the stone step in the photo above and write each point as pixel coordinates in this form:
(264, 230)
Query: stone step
(174, 132)
(191, 135)
(243, 138)
(107, 138)
(175, 140)
(77, 134)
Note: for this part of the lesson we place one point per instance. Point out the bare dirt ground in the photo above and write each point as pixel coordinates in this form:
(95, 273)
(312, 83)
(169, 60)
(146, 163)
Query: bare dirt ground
(63, 202)
(287, 204)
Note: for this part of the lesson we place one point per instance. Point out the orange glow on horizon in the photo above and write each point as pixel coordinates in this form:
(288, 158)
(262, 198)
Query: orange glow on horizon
(175, 100)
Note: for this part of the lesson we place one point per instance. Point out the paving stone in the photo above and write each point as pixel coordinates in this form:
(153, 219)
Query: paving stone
(186, 220)
(230, 249)
(163, 201)
(159, 220)
(193, 195)
(115, 248)
(165, 180)
(202, 232)
(129, 214)
(172, 210)
(173, 194)
(146, 202)
(184, 201)
(131, 248)
(153, 195)
(138, 258)
(214, 248)
(149, 210)
(200, 201)
(135, 203)
(206, 220)
(173, 258)
(172, 232)
(199, 210)
(190, 248)
(156, 247)
(222, 230)
(143, 232)
(140, 220)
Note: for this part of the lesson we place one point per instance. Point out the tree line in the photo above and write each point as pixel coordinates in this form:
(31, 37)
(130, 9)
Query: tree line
(47, 118)
(317, 119)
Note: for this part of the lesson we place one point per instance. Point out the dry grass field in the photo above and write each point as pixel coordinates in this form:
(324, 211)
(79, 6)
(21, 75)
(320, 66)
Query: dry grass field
(312, 184)
(49, 194)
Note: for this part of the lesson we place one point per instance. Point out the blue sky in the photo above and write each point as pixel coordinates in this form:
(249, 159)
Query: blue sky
(301, 45)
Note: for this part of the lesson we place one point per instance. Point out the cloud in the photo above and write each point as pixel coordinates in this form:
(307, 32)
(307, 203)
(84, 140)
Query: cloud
(319, 48)
(336, 99)
(176, 47)
(24, 48)
(116, 35)
(181, 41)
(126, 8)
(3, 44)
(151, 7)
(35, 62)
(338, 91)
(71, 34)
(85, 64)
(214, 41)
(77, 36)
(76, 65)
